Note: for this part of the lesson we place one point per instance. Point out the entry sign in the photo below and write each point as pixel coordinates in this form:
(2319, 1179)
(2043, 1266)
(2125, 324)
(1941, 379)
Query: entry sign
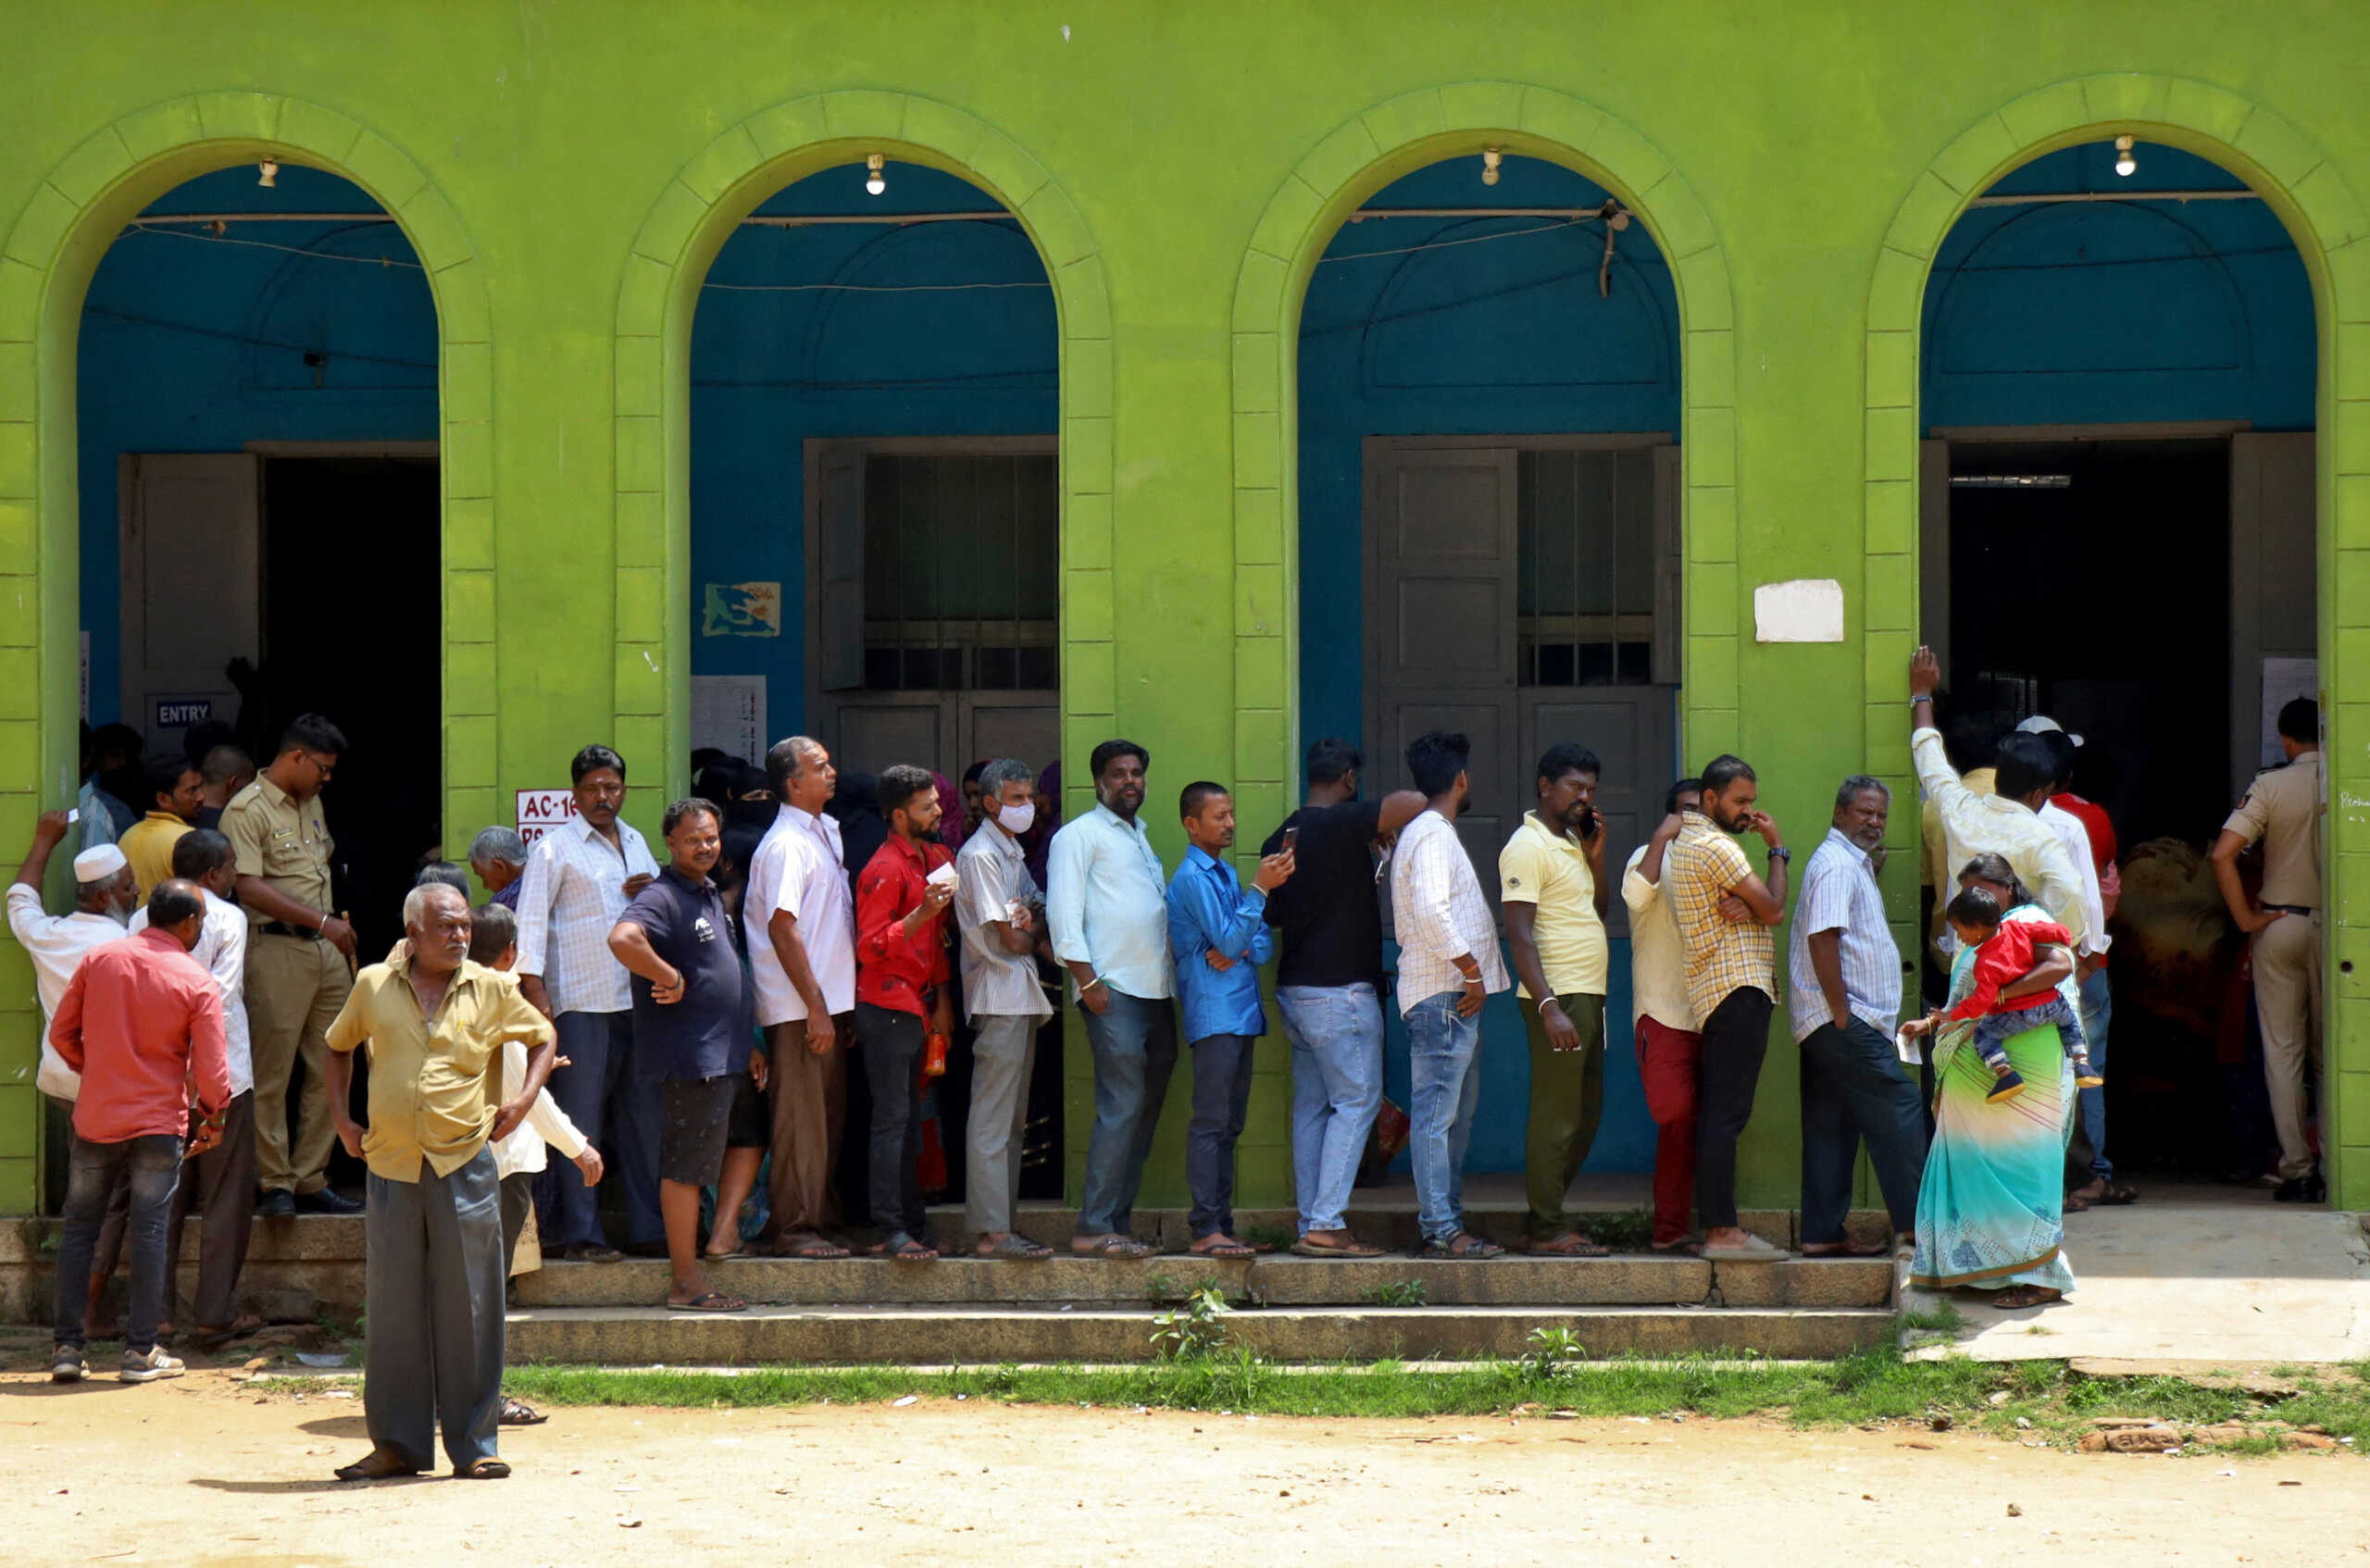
(540, 810)
(180, 713)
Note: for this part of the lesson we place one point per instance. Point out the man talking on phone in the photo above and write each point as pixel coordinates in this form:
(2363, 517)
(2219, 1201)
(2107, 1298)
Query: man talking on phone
(1552, 891)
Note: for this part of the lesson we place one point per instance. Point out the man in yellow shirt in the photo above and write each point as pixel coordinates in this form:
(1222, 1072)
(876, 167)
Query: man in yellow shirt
(175, 793)
(436, 1025)
(1552, 891)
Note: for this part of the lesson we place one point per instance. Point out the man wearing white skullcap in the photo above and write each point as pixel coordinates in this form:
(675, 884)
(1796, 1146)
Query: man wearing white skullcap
(103, 902)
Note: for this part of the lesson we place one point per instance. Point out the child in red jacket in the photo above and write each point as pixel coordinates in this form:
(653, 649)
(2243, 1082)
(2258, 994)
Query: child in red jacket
(2005, 949)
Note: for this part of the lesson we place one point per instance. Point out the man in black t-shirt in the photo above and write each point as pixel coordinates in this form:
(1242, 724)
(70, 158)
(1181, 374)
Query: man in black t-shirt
(1328, 985)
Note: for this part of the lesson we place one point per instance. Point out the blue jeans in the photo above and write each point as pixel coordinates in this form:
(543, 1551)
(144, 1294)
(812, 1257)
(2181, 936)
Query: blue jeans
(2098, 1011)
(1134, 1043)
(612, 1095)
(1336, 1035)
(150, 1166)
(1445, 1061)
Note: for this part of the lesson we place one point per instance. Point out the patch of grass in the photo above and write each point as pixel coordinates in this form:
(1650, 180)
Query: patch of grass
(1942, 1317)
(1278, 1237)
(1395, 1293)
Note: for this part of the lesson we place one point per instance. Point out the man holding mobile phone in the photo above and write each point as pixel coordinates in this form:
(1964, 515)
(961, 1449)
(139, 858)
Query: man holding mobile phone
(1553, 893)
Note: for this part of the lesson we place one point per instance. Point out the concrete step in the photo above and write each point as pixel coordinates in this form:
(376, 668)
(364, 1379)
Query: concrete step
(927, 1336)
(1384, 1220)
(1280, 1280)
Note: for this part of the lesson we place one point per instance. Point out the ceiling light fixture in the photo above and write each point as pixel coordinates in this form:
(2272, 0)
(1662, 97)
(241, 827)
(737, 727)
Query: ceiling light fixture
(1489, 159)
(2124, 164)
(873, 181)
(268, 174)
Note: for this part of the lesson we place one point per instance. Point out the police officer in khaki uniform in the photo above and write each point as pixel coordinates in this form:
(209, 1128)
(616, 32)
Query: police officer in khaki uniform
(2283, 810)
(300, 960)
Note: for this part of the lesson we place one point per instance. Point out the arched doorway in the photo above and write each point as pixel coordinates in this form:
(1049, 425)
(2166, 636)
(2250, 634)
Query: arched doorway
(875, 519)
(257, 428)
(875, 491)
(2117, 502)
(1488, 425)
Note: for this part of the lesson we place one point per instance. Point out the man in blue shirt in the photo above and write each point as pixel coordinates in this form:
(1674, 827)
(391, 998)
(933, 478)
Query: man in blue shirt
(1217, 931)
(676, 940)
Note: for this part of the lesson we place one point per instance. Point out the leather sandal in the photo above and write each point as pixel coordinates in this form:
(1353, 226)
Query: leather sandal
(379, 1464)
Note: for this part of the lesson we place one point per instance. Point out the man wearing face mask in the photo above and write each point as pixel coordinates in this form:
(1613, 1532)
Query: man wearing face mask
(1001, 915)
(1108, 909)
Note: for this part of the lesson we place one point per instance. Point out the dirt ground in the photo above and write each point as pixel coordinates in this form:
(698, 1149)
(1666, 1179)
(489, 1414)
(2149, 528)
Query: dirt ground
(204, 1472)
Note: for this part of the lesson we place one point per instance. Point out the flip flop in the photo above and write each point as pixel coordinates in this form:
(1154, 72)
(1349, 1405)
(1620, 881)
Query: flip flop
(714, 1301)
(482, 1470)
(1308, 1248)
(1227, 1250)
(379, 1464)
(1111, 1245)
(1016, 1248)
(1847, 1249)
(902, 1248)
(1474, 1249)
(1571, 1244)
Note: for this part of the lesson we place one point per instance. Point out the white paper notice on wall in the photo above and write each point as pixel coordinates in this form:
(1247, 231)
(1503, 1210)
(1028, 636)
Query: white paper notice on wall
(729, 712)
(1805, 610)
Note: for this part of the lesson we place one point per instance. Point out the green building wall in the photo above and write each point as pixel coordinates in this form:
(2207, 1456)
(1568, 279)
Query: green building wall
(567, 175)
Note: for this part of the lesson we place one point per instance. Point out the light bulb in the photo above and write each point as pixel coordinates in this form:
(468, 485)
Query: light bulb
(874, 181)
(1489, 166)
(268, 174)
(2124, 164)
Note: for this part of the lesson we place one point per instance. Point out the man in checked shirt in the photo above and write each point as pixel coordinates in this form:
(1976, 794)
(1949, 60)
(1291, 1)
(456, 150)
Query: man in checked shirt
(579, 878)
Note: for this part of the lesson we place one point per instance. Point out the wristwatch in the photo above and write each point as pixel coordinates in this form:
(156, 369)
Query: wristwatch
(1779, 852)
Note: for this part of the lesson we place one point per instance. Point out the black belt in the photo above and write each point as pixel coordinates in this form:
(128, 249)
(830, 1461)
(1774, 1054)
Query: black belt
(2291, 909)
(281, 928)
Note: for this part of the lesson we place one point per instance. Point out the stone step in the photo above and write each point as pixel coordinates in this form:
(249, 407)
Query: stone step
(929, 1336)
(1278, 1280)
(1383, 1222)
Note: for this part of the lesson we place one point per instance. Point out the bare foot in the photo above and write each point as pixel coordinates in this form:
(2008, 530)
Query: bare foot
(1219, 1244)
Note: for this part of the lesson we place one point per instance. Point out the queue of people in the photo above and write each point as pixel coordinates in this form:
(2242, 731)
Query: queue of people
(681, 1025)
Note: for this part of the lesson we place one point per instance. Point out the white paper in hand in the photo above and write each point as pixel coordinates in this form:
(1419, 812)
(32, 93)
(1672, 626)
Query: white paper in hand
(1905, 1046)
(945, 877)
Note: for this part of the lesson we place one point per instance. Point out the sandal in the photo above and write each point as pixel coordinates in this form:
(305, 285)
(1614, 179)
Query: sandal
(518, 1412)
(379, 1464)
(714, 1301)
(1014, 1248)
(811, 1248)
(1308, 1249)
(1227, 1250)
(2020, 1297)
(902, 1248)
(482, 1470)
(1846, 1249)
(1571, 1244)
(207, 1338)
(1111, 1244)
(1464, 1247)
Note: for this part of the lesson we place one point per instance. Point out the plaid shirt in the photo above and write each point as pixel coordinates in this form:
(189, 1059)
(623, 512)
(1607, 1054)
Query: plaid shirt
(1702, 865)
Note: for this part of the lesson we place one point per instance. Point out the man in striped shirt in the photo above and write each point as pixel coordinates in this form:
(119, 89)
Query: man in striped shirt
(1449, 965)
(1845, 999)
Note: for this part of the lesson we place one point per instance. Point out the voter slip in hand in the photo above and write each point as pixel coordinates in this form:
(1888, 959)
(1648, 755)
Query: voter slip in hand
(945, 877)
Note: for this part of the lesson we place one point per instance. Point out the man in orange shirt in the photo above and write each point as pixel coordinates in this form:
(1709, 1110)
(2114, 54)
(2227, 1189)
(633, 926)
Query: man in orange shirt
(140, 1021)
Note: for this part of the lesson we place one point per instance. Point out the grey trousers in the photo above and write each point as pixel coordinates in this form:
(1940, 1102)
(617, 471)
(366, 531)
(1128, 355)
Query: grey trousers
(220, 1184)
(433, 1351)
(1004, 1051)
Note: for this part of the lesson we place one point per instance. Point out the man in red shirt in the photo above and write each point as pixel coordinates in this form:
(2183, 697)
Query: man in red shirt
(140, 1021)
(901, 996)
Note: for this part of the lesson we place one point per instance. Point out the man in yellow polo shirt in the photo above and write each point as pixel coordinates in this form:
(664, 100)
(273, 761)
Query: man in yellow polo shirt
(1552, 888)
(436, 1025)
(174, 797)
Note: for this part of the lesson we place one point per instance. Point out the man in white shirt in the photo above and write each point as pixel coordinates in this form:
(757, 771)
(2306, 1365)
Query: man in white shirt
(1108, 908)
(219, 1183)
(1449, 965)
(799, 920)
(103, 896)
(1668, 1044)
(1001, 914)
(579, 878)
(2005, 823)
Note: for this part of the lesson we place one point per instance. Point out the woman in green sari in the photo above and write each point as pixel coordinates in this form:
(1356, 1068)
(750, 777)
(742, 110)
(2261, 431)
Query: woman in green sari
(1991, 1210)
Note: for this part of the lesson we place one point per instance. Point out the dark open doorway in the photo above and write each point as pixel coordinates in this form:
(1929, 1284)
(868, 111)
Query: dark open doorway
(353, 625)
